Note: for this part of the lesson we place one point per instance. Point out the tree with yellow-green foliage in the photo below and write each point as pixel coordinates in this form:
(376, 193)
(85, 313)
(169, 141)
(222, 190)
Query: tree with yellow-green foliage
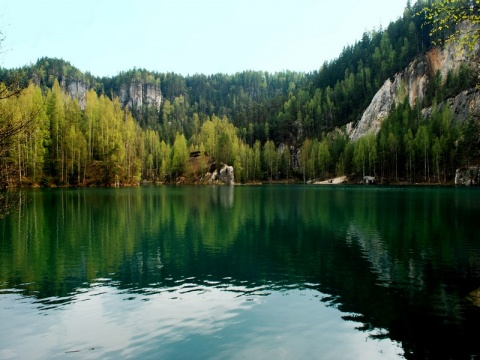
(444, 17)
(305, 153)
(22, 154)
(270, 156)
(324, 157)
(456, 22)
(165, 160)
(179, 155)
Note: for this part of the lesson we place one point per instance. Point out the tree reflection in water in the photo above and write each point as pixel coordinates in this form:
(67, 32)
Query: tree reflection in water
(400, 262)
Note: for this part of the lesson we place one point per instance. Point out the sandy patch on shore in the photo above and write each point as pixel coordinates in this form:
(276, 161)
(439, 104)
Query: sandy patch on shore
(337, 180)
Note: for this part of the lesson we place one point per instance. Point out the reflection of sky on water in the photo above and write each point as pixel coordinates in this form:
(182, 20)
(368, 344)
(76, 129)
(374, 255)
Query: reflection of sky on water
(186, 321)
(214, 272)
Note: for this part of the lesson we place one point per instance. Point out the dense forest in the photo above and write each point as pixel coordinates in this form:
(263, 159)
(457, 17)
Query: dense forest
(281, 126)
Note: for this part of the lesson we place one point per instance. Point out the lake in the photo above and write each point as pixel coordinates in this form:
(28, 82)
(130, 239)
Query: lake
(262, 272)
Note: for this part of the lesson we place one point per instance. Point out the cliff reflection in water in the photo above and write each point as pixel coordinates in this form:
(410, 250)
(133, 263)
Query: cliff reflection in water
(398, 260)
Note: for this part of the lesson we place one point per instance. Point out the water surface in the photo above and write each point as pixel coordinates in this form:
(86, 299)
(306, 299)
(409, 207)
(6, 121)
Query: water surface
(264, 272)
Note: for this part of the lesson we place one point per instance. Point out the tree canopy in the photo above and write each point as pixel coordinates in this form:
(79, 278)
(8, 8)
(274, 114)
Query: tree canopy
(268, 126)
(443, 17)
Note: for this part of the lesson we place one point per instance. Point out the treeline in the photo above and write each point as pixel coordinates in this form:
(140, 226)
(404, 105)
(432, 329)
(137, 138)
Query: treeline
(66, 145)
(409, 148)
(294, 105)
(268, 126)
(103, 145)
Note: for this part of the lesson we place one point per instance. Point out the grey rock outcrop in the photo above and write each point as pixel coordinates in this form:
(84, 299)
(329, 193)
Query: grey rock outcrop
(412, 84)
(138, 94)
(378, 110)
(77, 89)
(468, 176)
(224, 174)
(474, 297)
(462, 105)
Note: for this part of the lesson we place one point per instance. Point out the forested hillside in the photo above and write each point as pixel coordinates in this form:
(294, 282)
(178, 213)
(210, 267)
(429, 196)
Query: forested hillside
(142, 125)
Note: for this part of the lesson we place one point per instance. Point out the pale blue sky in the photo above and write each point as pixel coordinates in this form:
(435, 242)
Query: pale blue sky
(187, 36)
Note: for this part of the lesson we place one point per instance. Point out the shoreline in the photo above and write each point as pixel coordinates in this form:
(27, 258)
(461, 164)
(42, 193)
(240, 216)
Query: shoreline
(337, 181)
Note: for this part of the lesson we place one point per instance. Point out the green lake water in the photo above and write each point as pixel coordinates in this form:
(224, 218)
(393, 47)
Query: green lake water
(255, 272)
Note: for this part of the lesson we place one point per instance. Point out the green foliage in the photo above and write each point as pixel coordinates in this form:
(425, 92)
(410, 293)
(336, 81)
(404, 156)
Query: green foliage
(253, 120)
(179, 155)
(104, 145)
(271, 158)
(100, 145)
(415, 150)
(443, 18)
(469, 146)
(422, 144)
(284, 107)
(323, 157)
(456, 22)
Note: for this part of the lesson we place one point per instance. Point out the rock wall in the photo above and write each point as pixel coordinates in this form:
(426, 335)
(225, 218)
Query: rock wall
(412, 83)
(468, 176)
(77, 89)
(462, 105)
(378, 110)
(138, 94)
(225, 174)
(465, 103)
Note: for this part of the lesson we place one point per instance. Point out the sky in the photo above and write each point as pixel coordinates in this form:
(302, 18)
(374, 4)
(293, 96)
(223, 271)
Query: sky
(187, 37)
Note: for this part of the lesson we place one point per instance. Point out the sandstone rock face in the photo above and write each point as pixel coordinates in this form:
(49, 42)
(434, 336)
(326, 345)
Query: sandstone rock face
(225, 174)
(138, 94)
(462, 105)
(412, 83)
(378, 110)
(474, 297)
(77, 89)
(468, 176)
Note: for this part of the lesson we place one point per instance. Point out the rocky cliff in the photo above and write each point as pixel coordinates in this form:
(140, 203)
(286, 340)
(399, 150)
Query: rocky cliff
(462, 105)
(412, 83)
(468, 176)
(135, 93)
(225, 174)
(77, 89)
(135, 88)
(138, 94)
